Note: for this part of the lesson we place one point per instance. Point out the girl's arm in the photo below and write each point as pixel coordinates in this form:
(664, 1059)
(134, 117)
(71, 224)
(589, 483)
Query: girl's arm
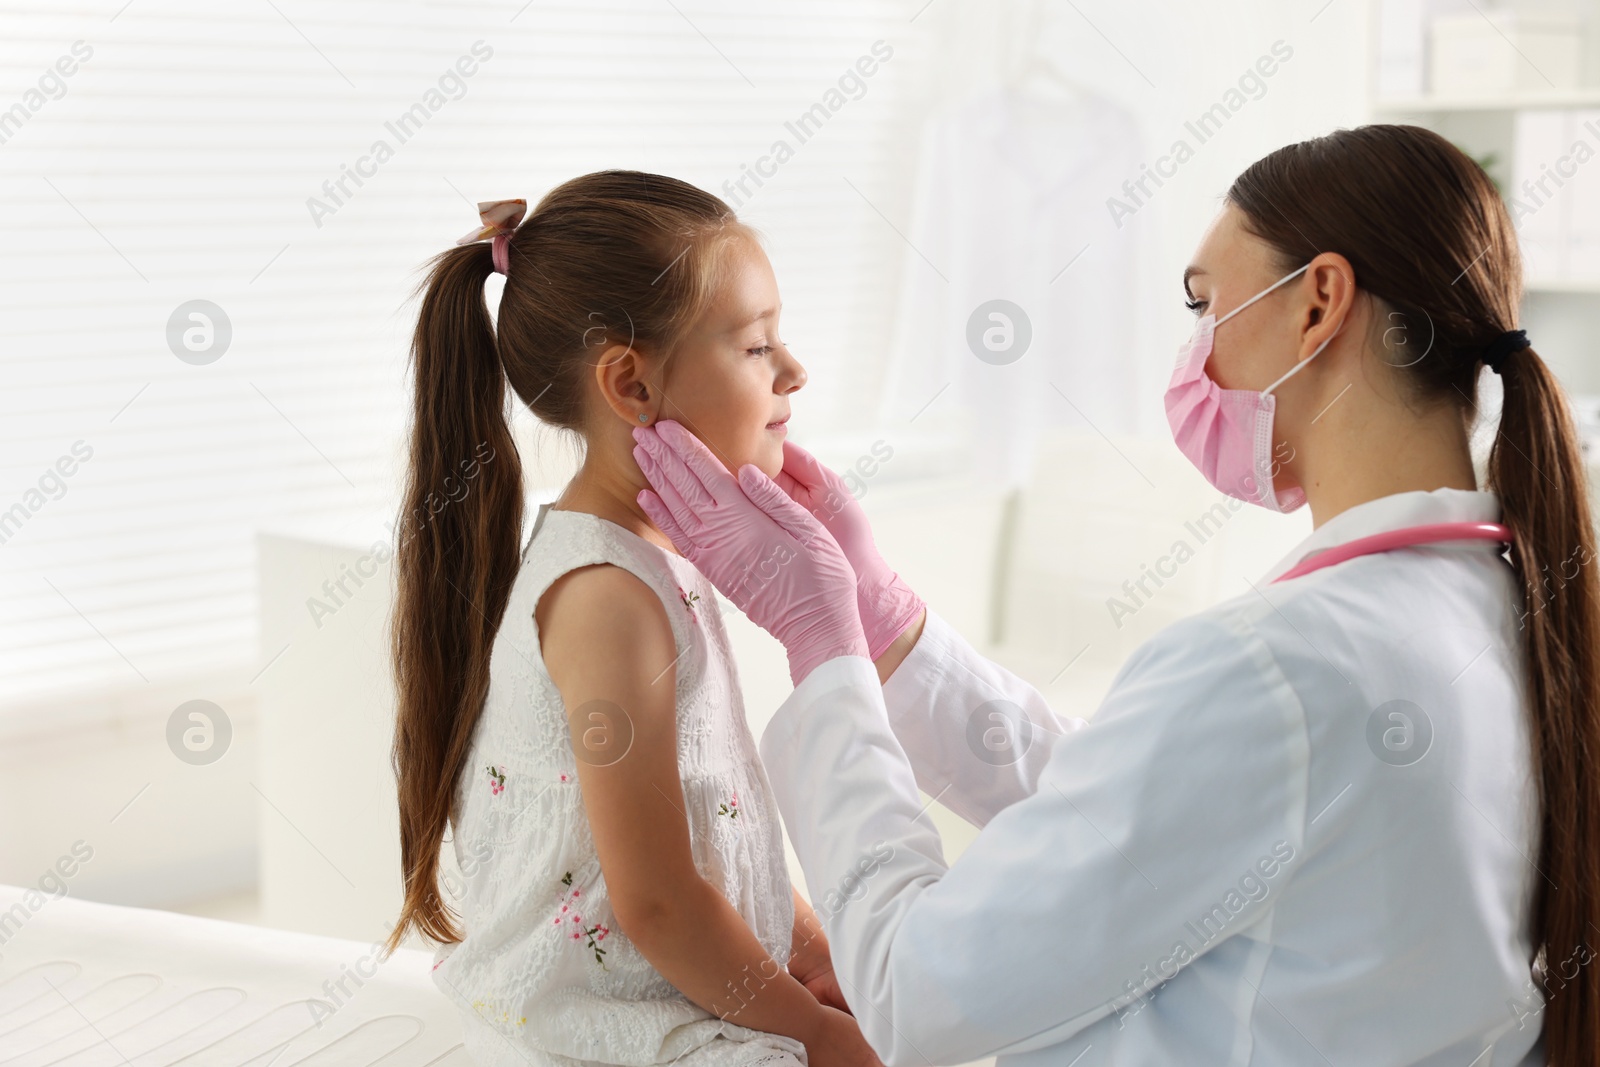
(609, 649)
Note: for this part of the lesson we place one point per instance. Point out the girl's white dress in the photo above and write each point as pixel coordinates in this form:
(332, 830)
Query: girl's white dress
(544, 974)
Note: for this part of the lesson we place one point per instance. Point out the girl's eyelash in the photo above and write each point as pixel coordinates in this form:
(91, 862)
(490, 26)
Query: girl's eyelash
(762, 350)
(1194, 305)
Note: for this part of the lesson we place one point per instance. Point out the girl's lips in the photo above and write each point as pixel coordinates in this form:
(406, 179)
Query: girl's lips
(779, 426)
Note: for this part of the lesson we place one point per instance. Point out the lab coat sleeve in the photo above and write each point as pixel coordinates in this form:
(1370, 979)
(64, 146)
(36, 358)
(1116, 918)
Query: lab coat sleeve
(947, 702)
(1185, 789)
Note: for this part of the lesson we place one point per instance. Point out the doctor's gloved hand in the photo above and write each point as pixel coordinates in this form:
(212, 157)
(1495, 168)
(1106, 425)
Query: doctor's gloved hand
(764, 552)
(886, 604)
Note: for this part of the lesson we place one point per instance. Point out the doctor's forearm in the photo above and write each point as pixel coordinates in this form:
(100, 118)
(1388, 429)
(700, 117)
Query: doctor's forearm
(896, 653)
(935, 687)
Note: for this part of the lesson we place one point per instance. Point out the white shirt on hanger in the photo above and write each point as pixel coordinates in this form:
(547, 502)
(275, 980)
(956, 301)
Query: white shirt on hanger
(1011, 190)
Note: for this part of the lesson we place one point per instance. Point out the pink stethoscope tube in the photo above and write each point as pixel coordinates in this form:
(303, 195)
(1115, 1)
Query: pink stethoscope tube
(1402, 538)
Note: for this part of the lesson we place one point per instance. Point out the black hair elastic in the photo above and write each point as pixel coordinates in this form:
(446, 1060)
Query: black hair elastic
(1494, 356)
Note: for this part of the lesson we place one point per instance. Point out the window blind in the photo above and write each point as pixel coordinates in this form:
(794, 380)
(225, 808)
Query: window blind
(194, 178)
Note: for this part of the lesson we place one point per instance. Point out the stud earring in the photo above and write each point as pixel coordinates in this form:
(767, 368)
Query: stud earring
(643, 417)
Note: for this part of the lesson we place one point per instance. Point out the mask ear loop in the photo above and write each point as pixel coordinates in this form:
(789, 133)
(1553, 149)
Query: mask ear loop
(1298, 366)
(1290, 373)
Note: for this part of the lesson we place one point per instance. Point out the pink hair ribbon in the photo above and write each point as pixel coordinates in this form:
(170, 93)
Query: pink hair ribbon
(500, 219)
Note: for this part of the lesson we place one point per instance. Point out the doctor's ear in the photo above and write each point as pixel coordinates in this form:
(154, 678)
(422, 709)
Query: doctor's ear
(627, 377)
(1330, 288)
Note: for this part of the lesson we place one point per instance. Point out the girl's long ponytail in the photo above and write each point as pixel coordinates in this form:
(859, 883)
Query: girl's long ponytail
(459, 533)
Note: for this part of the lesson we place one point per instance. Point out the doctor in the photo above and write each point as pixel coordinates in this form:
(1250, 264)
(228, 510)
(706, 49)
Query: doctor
(1349, 817)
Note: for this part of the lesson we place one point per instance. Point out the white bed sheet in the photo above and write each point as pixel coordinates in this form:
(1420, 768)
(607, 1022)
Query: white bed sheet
(94, 985)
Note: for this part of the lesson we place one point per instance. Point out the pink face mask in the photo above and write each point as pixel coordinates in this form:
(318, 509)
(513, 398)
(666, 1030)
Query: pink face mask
(1227, 433)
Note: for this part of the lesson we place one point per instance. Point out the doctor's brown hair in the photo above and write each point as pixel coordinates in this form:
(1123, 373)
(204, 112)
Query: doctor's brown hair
(610, 258)
(1426, 232)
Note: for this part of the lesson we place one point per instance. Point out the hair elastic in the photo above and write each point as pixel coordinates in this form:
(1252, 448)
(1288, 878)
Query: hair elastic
(500, 219)
(1494, 356)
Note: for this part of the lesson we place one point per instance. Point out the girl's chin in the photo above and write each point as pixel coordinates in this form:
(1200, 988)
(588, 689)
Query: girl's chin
(767, 458)
(769, 465)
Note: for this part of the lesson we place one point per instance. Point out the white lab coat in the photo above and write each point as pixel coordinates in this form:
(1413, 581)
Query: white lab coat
(1225, 823)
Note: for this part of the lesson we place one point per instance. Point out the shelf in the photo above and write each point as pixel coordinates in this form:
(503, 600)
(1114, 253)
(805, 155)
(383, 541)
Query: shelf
(1516, 101)
(1589, 286)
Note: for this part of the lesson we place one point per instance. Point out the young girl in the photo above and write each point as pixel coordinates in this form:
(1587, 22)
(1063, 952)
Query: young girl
(571, 711)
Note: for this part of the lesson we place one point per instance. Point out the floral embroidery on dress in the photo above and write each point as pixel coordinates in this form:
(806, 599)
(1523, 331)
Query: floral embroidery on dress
(505, 1016)
(730, 809)
(497, 781)
(569, 919)
(689, 599)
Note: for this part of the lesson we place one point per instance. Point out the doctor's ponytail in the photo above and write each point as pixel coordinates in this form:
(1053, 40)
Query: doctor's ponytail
(1427, 234)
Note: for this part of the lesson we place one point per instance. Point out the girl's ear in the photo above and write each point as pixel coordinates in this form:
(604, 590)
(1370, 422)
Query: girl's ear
(622, 373)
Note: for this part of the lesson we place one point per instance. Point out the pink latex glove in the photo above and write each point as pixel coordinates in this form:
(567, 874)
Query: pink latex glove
(887, 605)
(764, 552)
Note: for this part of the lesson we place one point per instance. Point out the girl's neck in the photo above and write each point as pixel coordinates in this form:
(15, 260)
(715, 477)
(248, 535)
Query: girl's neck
(608, 488)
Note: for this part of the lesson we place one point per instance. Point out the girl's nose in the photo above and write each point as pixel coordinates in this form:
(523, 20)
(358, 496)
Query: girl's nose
(791, 375)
